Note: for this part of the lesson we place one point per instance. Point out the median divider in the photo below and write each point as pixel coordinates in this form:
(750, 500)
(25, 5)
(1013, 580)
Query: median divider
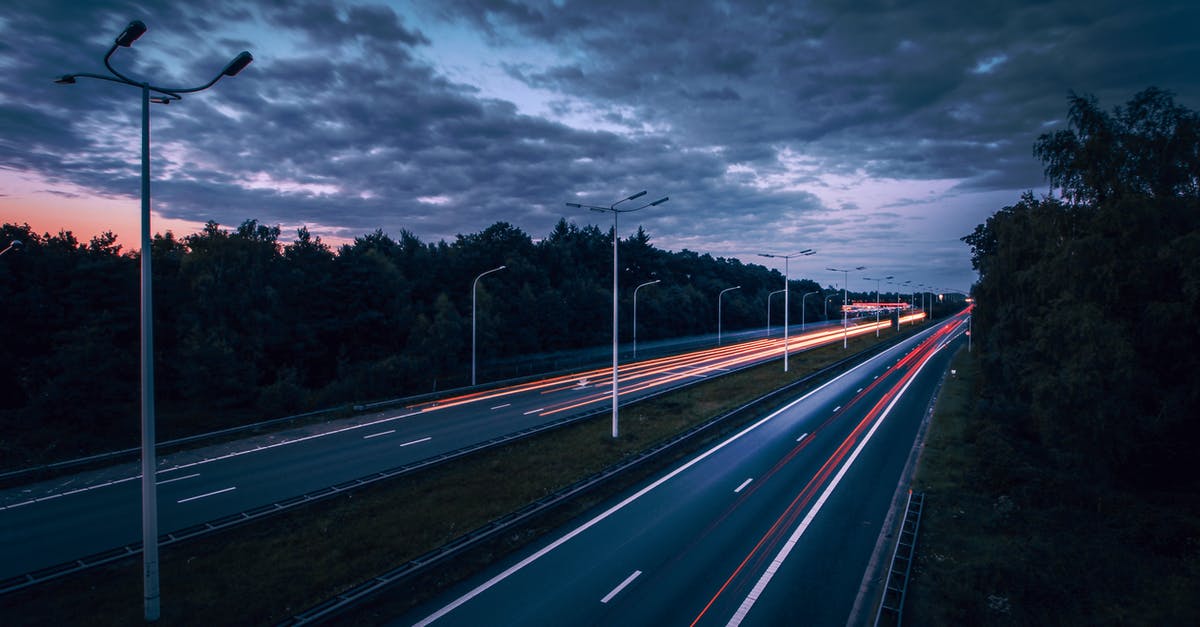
(363, 592)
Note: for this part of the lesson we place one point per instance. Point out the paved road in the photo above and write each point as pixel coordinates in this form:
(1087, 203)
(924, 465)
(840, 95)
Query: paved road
(774, 526)
(63, 522)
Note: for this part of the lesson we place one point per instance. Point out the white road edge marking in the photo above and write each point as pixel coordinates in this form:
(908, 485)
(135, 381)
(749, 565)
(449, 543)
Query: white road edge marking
(375, 435)
(802, 436)
(177, 479)
(628, 580)
(485, 586)
(424, 439)
(743, 486)
(192, 498)
(502, 406)
(751, 598)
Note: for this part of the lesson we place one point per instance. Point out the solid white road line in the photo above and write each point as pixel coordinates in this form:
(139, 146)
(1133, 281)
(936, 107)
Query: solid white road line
(751, 598)
(375, 435)
(743, 486)
(425, 439)
(192, 498)
(485, 586)
(628, 580)
(177, 479)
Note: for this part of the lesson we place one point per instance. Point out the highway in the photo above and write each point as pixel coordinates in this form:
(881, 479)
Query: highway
(53, 523)
(773, 526)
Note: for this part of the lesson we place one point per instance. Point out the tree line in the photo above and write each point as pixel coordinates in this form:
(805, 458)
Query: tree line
(1087, 302)
(248, 327)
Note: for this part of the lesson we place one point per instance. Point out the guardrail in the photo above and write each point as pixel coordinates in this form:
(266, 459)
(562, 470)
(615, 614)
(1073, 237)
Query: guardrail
(33, 578)
(891, 607)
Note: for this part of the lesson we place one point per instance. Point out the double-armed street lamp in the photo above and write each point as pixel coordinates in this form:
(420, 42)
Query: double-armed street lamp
(616, 238)
(846, 279)
(635, 291)
(786, 281)
(163, 95)
(13, 245)
(722, 293)
(473, 285)
(877, 282)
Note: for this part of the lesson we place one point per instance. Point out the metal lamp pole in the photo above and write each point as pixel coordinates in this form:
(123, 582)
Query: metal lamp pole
(635, 291)
(722, 293)
(877, 281)
(803, 302)
(616, 238)
(769, 310)
(846, 278)
(473, 284)
(164, 96)
(786, 284)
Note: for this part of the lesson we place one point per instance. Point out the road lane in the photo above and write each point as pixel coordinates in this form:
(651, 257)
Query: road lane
(62, 527)
(702, 549)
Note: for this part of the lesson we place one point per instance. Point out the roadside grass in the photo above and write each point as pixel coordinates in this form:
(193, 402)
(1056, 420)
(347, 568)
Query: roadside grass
(265, 571)
(1007, 538)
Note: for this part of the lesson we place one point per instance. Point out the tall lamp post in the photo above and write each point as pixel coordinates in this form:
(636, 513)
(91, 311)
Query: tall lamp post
(164, 95)
(635, 290)
(846, 280)
(769, 309)
(473, 285)
(616, 238)
(722, 293)
(13, 245)
(877, 282)
(803, 302)
(786, 280)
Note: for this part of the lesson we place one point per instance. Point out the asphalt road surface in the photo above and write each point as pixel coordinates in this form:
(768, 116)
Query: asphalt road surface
(51, 524)
(774, 526)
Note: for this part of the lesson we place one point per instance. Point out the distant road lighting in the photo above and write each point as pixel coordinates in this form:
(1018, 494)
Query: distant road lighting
(827, 299)
(786, 280)
(635, 291)
(617, 238)
(769, 309)
(877, 281)
(728, 289)
(473, 284)
(132, 32)
(13, 245)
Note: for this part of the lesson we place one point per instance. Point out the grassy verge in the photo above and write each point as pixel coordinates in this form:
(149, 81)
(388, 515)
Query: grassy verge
(263, 572)
(1009, 539)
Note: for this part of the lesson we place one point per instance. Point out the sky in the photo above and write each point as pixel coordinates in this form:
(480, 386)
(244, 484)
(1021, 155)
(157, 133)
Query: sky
(877, 133)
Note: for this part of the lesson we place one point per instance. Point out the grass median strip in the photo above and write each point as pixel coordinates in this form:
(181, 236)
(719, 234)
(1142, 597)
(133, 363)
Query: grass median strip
(266, 571)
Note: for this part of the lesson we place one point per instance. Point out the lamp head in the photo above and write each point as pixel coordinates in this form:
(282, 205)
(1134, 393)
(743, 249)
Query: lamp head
(17, 244)
(238, 64)
(659, 201)
(637, 195)
(65, 79)
(131, 33)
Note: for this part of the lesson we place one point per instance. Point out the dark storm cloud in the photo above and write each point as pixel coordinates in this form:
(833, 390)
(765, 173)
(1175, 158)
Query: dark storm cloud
(739, 111)
(902, 90)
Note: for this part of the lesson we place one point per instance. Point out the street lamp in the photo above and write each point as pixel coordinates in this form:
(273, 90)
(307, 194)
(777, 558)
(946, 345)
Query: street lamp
(804, 253)
(846, 282)
(13, 245)
(827, 299)
(769, 309)
(616, 238)
(635, 290)
(804, 301)
(473, 284)
(877, 281)
(728, 289)
(164, 96)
